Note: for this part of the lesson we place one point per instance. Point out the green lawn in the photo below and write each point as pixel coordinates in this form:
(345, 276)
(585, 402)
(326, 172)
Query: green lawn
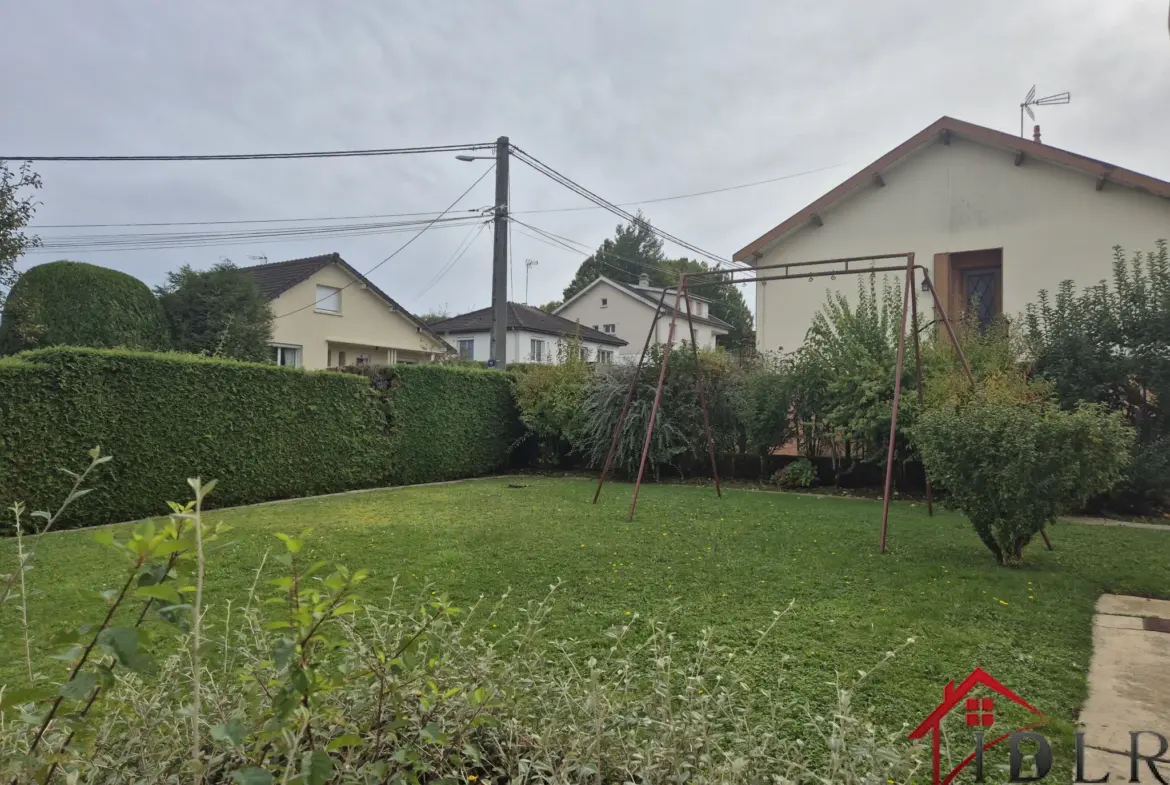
(724, 563)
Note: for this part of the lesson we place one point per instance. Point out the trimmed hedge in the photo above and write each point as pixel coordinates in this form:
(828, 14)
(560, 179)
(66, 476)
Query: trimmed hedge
(77, 304)
(265, 432)
(446, 422)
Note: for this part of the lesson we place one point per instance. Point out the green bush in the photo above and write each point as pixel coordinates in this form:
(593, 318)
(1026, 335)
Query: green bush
(219, 312)
(76, 304)
(798, 474)
(1013, 468)
(446, 422)
(276, 432)
(551, 400)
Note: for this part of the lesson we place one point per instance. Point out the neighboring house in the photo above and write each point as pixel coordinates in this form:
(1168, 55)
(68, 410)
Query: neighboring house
(329, 315)
(628, 310)
(989, 214)
(534, 336)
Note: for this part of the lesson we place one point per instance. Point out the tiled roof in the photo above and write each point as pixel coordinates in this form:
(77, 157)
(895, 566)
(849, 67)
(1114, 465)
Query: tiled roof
(524, 317)
(276, 278)
(653, 293)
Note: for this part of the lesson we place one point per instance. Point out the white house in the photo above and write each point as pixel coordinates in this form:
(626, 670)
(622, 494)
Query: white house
(628, 310)
(534, 336)
(988, 213)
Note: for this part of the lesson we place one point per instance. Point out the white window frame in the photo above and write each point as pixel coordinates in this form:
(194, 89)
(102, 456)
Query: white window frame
(605, 355)
(604, 302)
(536, 350)
(585, 353)
(280, 349)
(470, 357)
(361, 359)
(609, 329)
(331, 296)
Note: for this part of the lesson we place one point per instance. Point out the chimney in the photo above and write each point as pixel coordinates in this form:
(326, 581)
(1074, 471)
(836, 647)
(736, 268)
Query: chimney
(1036, 134)
(643, 279)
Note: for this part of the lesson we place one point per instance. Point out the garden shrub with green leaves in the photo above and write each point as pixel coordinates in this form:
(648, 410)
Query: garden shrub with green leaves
(799, 474)
(277, 432)
(445, 422)
(551, 402)
(77, 304)
(1108, 344)
(1012, 468)
(310, 682)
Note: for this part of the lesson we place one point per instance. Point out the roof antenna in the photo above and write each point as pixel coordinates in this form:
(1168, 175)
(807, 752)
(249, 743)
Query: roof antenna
(1031, 100)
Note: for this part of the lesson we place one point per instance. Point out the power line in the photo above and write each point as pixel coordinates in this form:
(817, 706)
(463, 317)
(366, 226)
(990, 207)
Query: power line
(433, 212)
(567, 243)
(402, 247)
(447, 148)
(460, 250)
(579, 189)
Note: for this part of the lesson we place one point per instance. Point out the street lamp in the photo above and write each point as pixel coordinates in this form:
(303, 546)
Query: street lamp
(528, 265)
(497, 353)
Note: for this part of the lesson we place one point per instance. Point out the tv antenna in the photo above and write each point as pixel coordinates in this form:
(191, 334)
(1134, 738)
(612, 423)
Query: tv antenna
(1031, 100)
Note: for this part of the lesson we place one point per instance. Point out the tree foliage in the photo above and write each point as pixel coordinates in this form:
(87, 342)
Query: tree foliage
(219, 312)
(17, 206)
(1108, 344)
(77, 304)
(551, 401)
(635, 250)
(1013, 468)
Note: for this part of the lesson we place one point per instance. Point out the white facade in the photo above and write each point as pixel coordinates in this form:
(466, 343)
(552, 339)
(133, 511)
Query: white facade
(526, 346)
(606, 306)
(1052, 223)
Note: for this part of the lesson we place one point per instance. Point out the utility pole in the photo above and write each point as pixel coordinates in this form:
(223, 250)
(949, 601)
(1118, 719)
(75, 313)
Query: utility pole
(499, 338)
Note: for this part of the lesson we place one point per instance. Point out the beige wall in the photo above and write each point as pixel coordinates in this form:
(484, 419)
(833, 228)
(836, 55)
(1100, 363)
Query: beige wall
(1051, 223)
(366, 324)
(632, 317)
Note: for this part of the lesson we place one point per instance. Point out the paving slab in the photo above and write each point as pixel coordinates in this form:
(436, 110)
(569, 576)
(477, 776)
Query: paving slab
(1111, 622)
(1129, 675)
(1098, 763)
(1120, 605)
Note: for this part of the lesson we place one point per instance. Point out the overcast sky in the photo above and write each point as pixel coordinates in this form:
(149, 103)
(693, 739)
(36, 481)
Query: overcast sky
(635, 100)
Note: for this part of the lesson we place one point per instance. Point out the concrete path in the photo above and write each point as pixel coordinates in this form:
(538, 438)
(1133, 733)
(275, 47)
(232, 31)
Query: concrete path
(1093, 521)
(1129, 685)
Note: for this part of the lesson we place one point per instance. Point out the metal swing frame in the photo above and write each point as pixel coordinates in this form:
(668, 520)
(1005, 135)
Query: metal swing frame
(861, 265)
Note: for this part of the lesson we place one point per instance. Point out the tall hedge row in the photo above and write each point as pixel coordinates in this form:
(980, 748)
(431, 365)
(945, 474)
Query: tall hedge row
(263, 431)
(446, 422)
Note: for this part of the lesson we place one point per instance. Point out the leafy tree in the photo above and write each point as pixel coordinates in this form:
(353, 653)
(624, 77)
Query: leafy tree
(16, 209)
(635, 250)
(552, 305)
(219, 312)
(434, 315)
(1013, 468)
(551, 401)
(1107, 344)
(67, 303)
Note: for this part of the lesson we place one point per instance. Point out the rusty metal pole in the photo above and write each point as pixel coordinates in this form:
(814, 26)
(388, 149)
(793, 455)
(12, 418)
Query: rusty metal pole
(699, 382)
(918, 364)
(894, 416)
(617, 431)
(654, 408)
(950, 330)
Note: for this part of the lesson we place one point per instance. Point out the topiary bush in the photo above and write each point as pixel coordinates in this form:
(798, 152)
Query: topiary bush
(277, 432)
(1013, 468)
(446, 422)
(77, 304)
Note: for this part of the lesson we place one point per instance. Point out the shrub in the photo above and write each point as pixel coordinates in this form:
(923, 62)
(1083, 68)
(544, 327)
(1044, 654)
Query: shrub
(1107, 344)
(219, 312)
(678, 430)
(446, 422)
(76, 304)
(798, 474)
(277, 432)
(764, 404)
(551, 401)
(1013, 468)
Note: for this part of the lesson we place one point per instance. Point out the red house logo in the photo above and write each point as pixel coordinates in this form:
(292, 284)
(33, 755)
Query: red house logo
(979, 714)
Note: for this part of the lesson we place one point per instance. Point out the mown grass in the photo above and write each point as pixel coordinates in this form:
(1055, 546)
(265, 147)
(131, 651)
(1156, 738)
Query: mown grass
(701, 561)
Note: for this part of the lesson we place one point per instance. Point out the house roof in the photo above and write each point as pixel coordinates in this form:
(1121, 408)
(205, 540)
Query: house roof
(524, 317)
(952, 695)
(649, 296)
(941, 130)
(276, 278)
